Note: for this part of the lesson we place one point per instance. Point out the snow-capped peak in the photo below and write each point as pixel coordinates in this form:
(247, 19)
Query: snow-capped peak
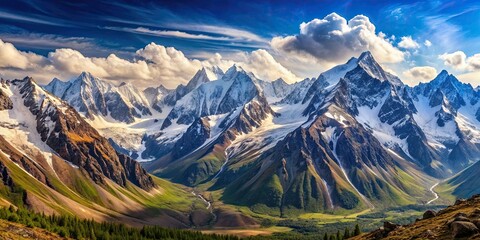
(214, 73)
(368, 63)
(85, 77)
(95, 97)
(199, 78)
(232, 71)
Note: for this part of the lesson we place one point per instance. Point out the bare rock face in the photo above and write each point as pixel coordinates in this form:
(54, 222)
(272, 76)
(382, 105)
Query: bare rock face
(5, 102)
(5, 175)
(193, 138)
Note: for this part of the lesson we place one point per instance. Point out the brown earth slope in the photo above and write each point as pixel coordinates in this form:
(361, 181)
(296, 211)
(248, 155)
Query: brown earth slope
(460, 221)
(9, 230)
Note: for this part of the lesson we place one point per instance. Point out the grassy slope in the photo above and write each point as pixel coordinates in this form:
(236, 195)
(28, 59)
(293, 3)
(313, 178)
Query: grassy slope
(85, 199)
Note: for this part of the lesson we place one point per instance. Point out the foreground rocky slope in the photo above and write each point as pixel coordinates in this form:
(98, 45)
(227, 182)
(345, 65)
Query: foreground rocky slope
(460, 221)
(9, 230)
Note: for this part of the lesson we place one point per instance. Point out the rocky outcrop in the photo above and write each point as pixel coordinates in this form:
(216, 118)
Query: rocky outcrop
(429, 214)
(5, 102)
(194, 137)
(460, 221)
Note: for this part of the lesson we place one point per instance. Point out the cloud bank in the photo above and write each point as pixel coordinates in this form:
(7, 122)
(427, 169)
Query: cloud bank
(153, 65)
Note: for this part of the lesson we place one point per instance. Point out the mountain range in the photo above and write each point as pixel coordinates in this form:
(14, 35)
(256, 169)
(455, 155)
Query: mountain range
(355, 137)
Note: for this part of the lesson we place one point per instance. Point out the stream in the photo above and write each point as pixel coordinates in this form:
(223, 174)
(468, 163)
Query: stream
(434, 193)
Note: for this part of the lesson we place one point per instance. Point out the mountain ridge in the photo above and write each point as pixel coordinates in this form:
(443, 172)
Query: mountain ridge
(216, 132)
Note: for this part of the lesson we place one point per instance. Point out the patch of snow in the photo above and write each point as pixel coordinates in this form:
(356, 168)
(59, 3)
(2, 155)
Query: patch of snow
(19, 127)
(383, 132)
(338, 117)
(272, 129)
(437, 136)
(333, 75)
(328, 133)
(467, 122)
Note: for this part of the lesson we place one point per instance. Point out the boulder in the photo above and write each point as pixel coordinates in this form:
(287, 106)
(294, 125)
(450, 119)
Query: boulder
(460, 201)
(475, 213)
(461, 219)
(476, 222)
(429, 214)
(389, 226)
(460, 214)
(463, 229)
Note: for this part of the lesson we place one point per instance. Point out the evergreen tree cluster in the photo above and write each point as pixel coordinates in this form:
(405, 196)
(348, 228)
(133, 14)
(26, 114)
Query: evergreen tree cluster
(73, 227)
(346, 234)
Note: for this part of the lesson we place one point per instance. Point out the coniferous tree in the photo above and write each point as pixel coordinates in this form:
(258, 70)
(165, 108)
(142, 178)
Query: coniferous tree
(357, 230)
(346, 234)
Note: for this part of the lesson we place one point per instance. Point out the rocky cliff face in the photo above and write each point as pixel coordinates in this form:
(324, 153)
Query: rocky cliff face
(5, 102)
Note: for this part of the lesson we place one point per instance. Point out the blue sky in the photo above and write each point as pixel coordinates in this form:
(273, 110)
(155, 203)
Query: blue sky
(235, 29)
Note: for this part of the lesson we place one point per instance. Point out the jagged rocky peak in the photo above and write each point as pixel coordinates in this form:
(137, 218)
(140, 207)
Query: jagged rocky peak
(234, 89)
(155, 95)
(458, 94)
(199, 78)
(373, 68)
(95, 97)
(214, 73)
(298, 92)
(232, 71)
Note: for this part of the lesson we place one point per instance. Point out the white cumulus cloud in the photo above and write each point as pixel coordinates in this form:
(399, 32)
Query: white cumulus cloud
(408, 43)
(263, 65)
(423, 73)
(427, 43)
(334, 39)
(11, 57)
(459, 61)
